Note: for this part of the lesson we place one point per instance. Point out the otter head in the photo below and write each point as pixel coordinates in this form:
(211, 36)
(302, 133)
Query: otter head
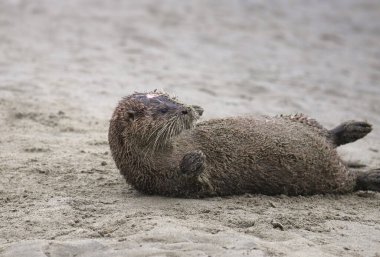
(150, 120)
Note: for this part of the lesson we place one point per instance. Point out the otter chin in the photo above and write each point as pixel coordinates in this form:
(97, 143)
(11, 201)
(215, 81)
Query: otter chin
(159, 148)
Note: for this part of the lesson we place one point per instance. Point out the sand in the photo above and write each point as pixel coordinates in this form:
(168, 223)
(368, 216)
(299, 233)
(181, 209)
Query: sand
(65, 64)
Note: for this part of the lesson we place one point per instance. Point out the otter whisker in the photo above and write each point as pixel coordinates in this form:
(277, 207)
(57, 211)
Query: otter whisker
(170, 130)
(154, 135)
(172, 127)
(166, 135)
(160, 137)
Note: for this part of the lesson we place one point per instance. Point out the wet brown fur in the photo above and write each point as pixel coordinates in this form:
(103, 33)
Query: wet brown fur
(270, 155)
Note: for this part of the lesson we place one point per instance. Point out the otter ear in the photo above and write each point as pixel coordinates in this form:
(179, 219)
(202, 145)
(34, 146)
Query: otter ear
(198, 109)
(130, 115)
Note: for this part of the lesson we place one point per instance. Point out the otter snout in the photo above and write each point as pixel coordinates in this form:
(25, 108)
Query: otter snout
(192, 110)
(185, 110)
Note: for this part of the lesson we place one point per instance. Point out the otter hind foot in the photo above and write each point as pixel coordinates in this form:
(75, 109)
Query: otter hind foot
(349, 131)
(369, 180)
(193, 163)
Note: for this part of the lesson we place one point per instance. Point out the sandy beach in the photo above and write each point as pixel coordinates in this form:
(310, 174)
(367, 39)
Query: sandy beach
(64, 65)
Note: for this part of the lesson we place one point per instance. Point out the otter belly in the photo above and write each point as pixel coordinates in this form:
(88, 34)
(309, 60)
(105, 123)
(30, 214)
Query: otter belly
(269, 156)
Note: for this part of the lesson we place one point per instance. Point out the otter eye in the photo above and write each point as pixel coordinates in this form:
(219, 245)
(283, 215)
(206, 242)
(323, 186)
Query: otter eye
(164, 110)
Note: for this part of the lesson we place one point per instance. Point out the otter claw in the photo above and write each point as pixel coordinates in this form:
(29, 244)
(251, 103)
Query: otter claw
(193, 163)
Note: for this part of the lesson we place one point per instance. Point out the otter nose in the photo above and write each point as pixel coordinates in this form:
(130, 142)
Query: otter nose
(184, 110)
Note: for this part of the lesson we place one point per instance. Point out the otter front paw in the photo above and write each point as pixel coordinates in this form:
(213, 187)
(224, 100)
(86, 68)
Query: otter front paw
(193, 163)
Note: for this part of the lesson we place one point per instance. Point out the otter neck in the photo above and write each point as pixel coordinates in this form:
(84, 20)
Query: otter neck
(138, 150)
(150, 149)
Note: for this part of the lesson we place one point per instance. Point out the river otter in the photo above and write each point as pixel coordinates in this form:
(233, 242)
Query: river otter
(160, 150)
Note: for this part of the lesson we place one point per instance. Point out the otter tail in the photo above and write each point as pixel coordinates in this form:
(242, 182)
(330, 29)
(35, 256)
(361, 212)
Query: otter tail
(349, 131)
(369, 180)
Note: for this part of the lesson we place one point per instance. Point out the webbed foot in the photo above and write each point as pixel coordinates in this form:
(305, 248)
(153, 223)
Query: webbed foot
(349, 131)
(369, 180)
